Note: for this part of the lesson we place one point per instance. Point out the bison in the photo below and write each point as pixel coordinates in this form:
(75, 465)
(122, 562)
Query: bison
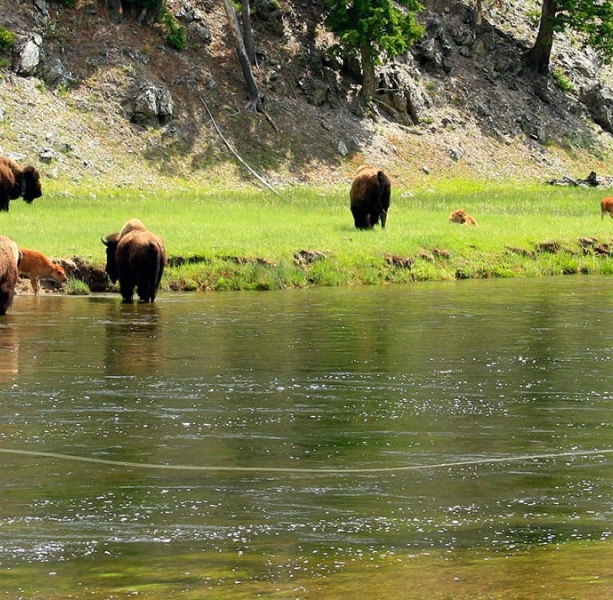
(16, 181)
(9, 260)
(37, 266)
(370, 197)
(136, 257)
(459, 216)
(606, 206)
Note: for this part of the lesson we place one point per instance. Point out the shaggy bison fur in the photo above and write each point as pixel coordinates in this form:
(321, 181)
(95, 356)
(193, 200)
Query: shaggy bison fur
(136, 257)
(9, 259)
(16, 181)
(370, 197)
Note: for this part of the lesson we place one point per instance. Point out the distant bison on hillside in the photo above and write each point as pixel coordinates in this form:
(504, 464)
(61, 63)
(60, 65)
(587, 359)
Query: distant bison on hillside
(9, 259)
(16, 181)
(370, 197)
(136, 257)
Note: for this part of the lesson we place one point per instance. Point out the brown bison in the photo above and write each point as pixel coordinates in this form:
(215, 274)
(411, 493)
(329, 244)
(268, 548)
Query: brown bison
(606, 206)
(9, 259)
(459, 216)
(16, 181)
(136, 257)
(370, 197)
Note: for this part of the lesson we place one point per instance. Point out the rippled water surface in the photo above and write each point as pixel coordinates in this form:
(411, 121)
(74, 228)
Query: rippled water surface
(446, 440)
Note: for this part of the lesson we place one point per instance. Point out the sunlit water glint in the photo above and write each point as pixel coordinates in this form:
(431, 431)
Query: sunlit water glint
(447, 440)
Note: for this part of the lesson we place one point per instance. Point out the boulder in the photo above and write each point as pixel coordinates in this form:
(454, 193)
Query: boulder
(28, 56)
(152, 106)
(599, 102)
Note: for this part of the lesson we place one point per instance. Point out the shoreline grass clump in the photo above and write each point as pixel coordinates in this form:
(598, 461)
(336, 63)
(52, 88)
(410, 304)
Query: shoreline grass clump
(254, 240)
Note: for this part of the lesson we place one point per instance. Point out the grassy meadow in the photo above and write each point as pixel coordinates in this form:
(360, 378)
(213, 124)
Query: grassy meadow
(249, 239)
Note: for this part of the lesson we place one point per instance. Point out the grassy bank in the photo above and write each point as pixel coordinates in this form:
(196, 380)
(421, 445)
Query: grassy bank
(253, 239)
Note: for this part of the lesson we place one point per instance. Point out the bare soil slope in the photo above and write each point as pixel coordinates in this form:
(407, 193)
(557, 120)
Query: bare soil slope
(485, 117)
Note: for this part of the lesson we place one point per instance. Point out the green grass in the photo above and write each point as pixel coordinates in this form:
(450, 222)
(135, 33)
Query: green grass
(247, 239)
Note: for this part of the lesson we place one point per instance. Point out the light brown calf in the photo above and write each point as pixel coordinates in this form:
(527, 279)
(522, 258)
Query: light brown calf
(606, 206)
(459, 216)
(36, 265)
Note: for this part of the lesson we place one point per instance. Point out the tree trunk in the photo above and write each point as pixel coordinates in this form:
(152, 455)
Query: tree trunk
(478, 8)
(368, 74)
(256, 99)
(248, 34)
(539, 56)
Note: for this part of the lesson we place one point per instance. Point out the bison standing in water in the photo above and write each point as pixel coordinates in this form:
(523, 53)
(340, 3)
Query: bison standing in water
(16, 181)
(370, 197)
(136, 257)
(9, 259)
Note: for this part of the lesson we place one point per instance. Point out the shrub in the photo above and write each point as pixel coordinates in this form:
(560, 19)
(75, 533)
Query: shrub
(562, 81)
(7, 39)
(175, 33)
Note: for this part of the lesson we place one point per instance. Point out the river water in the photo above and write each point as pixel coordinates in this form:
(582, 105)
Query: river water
(435, 440)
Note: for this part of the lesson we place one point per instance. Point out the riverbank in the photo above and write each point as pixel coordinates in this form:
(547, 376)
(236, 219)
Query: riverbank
(254, 240)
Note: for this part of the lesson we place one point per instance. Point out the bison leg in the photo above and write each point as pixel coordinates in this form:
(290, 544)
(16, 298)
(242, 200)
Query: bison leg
(126, 287)
(362, 220)
(34, 282)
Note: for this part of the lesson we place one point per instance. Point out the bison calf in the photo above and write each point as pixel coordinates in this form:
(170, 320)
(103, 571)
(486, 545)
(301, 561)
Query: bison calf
(370, 197)
(16, 181)
(459, 216)
(606, 206)
(9, 259)
(37, 266)
(136, 257)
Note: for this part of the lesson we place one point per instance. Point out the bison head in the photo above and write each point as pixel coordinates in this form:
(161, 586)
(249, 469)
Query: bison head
(111, 242)
(30, 184)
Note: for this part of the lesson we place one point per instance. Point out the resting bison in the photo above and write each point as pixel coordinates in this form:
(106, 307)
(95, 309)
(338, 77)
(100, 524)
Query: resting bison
(606, 206)
(459, 216)
(9, 259)
(136, 257)
(370, 197)
(16, 181)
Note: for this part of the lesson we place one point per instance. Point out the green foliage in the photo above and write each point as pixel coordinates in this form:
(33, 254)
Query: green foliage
(377, 24)
(374, 30)
(175, 33)
(593, 19)
(7, 39)
(562, 81)
(69, 3)
(77, 287)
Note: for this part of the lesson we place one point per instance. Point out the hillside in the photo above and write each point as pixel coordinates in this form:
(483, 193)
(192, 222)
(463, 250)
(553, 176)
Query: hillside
(481, 115)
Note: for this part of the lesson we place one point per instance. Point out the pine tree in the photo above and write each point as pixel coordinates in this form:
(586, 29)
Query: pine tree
(374, 31)
(593, 19)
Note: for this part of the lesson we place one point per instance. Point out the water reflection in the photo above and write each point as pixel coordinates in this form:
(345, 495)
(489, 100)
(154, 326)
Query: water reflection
(9, 350)
(323, 380)
(133, 341)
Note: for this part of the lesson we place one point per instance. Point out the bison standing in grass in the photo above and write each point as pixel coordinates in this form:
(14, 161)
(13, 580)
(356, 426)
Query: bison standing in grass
(370, 197)
(606, 207)
(136, 257)
(16, 181)
(9, 259)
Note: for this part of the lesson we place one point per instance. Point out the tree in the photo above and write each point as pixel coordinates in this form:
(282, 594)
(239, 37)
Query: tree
(256, 99)
(373, 30)
(592, 18)
(248, 33)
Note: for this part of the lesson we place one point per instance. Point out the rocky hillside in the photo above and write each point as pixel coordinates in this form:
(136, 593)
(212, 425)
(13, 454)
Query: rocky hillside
(88, 94)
